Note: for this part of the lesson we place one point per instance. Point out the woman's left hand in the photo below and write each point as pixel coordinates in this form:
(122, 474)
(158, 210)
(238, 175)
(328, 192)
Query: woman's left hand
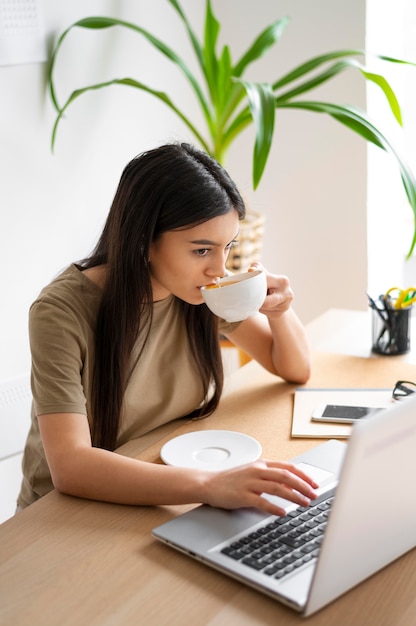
(279, 293)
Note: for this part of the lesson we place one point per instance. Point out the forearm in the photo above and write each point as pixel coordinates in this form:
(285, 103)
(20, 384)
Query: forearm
(278, 342)
(289, 347)
(98, 474)
(101, 475)
(285, 349)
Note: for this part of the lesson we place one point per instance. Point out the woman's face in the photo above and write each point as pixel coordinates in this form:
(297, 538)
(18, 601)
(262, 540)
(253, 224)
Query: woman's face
(182, 261)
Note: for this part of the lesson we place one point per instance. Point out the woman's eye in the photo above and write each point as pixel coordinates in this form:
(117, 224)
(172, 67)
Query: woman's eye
(202, 251)
(231, 244)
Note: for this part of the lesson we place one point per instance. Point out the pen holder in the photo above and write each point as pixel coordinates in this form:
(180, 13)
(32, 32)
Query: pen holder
(391, 330)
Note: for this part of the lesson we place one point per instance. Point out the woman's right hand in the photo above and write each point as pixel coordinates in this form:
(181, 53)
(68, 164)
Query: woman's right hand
(243, 486)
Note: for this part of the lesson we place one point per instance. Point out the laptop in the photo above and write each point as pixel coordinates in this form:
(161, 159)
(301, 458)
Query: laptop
(365, 519)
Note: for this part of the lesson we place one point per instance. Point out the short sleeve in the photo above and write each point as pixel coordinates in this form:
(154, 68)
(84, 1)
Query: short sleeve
(58, 357)
(227, 327)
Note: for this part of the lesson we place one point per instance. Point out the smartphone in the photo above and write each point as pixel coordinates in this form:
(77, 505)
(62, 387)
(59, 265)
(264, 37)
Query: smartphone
(341, 414)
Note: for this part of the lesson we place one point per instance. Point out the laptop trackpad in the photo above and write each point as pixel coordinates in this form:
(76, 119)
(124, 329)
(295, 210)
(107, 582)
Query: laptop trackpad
(324, 479)
(318, 474)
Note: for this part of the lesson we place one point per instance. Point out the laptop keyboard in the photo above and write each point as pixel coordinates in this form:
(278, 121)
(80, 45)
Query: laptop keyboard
(286, 543)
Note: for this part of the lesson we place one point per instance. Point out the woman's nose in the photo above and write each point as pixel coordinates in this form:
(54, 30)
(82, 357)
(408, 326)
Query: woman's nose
(216, 267)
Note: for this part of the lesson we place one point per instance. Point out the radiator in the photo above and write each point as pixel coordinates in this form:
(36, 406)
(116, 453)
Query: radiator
(15, 403)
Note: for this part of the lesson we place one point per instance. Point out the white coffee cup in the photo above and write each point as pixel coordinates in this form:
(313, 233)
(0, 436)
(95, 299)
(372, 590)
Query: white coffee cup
(237, 296)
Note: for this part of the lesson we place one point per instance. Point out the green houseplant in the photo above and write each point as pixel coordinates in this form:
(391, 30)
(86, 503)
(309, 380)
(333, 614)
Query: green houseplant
(230, 103)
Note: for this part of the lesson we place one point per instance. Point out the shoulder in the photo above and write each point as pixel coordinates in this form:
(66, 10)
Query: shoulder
(70, 282)
(71, 300)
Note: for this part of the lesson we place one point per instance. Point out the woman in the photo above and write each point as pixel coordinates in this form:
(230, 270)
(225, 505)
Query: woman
(122, 344)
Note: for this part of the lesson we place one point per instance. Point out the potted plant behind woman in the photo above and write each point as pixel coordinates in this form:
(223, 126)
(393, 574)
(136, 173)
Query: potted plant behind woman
(230, 103)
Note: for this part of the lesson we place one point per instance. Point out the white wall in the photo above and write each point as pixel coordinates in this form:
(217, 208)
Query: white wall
(314, 189)
(53, 206)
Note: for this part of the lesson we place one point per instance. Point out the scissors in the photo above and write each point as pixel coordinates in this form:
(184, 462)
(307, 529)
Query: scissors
(405, 297)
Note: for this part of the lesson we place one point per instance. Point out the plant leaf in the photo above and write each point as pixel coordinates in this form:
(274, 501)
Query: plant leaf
(210, 67)
(314, 82)
(102, 22)
(383, 57)
(96, 22)
(315, 62)
(130, 82)
(261, 102)
(388, 91)
(358, 121)
(312, 64)
(191, 34)
(224, 85)
(221, 107)
(264, 41)
(336, 69)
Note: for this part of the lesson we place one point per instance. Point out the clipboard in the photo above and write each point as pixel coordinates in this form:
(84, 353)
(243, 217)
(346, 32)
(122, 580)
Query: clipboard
(307, 399)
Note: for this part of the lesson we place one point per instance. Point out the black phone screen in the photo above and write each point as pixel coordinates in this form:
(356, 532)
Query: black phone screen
(347, 412)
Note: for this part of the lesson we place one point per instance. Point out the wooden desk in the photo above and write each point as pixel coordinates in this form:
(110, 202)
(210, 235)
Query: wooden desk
(66, 561)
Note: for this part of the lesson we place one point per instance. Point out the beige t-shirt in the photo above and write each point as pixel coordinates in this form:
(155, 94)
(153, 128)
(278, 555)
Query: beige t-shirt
(164, 385)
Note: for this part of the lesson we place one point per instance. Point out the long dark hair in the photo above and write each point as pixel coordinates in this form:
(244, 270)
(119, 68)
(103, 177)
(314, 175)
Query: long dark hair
(171, 187)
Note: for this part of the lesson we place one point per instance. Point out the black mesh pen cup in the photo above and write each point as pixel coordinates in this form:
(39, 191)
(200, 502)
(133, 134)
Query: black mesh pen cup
(391, 330)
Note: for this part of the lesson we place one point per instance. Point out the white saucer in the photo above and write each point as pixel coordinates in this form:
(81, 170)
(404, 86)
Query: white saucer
(211, 450)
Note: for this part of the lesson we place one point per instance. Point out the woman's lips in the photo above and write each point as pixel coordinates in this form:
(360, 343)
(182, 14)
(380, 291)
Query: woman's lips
(213, 282)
